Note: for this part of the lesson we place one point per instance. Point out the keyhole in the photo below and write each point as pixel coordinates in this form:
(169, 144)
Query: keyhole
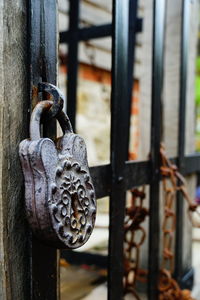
(74, 204)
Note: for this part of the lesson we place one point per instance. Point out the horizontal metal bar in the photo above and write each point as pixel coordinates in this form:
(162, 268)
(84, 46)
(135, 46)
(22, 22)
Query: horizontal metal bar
(88, 33)
(191, 164)
(94, 32)
(101, 176)
(137, 173)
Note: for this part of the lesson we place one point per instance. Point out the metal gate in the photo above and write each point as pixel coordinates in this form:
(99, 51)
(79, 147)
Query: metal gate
(120, 175)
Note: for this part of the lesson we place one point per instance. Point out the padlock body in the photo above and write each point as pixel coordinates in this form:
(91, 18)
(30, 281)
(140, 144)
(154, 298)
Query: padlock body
(60, 197)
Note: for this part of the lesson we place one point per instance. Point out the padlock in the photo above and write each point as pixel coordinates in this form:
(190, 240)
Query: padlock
(59, 193)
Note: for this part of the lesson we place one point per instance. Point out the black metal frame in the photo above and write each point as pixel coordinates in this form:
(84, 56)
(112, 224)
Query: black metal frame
(157, 88)
(181, 134)
(120, 175)
(43, 260)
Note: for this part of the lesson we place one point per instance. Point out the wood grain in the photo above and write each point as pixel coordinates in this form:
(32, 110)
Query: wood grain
(13, 128)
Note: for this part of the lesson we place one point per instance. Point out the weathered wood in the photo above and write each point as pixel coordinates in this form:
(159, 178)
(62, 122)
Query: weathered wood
(13, 128)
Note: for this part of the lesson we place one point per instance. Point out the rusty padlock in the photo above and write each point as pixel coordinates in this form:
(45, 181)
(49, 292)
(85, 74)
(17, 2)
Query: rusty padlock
(59, 194)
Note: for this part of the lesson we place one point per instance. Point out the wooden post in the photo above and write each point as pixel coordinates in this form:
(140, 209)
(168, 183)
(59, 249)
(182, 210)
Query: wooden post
(14, 282)
(21, 257)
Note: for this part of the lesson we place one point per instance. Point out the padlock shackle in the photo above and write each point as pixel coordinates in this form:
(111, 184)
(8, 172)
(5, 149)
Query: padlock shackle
(58, 98)
(40, 108)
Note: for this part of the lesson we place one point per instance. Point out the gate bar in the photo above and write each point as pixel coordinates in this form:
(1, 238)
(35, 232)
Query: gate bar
(94, 32)
(181, 135)
(72, 38)
(157, 88)
(132, 29)
(137, 173)
(119, 112)
(43, 263)
(72, 73)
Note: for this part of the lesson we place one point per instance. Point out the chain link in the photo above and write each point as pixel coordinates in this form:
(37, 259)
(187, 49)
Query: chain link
(134, 236)
(136, 213)
(172, 182)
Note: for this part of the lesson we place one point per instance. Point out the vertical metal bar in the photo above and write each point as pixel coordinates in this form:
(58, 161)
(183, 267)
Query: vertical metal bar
(72, 70)
(131, 54)
(34, 50)
(42, 66)
(119, 113)
(48, 52)
(157, 88)
(181, 134)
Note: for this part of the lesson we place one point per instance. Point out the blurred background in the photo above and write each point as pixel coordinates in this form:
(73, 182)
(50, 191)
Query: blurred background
(84, 271)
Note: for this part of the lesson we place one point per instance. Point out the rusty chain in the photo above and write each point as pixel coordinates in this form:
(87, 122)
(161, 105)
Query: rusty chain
(172, 182)
(136, 213)
(170, 170)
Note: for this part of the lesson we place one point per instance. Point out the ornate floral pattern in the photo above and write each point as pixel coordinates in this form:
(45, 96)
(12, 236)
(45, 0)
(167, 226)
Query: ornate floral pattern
(74, 206)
